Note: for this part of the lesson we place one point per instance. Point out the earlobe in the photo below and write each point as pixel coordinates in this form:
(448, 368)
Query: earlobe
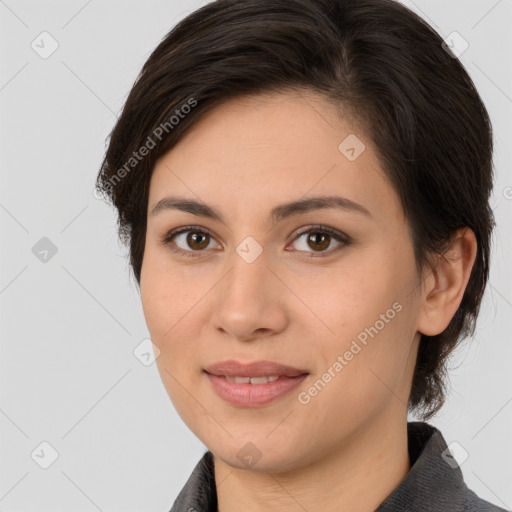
(447, 283)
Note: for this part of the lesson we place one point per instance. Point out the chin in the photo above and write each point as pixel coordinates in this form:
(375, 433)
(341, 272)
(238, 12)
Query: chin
(259, 454)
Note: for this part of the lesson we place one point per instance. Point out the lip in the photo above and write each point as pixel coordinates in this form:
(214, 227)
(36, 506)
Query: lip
(253, 395)
(255, 369)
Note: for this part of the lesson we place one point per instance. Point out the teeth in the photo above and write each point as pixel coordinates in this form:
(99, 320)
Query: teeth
(252, 380)
(259, 380)
(240, 380)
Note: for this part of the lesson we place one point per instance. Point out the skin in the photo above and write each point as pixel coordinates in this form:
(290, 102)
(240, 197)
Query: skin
(348, 445)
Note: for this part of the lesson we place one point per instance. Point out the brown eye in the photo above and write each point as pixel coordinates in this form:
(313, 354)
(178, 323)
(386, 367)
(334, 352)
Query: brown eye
(318, 241)
(318, 238)
(188, 241)
(197, 240)
(192, 242)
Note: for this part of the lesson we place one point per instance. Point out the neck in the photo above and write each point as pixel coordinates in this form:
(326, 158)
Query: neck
(356, 477)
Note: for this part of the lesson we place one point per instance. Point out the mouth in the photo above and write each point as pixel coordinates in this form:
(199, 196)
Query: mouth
(254, 384)
(252, 380)
(255, 370)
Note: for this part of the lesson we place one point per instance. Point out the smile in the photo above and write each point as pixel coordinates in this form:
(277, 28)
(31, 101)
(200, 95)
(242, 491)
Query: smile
(252, 380)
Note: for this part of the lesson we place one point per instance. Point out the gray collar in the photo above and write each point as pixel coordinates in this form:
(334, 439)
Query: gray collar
(434, 482)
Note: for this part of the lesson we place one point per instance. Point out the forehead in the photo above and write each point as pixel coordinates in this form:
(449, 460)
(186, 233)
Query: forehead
(273, 148)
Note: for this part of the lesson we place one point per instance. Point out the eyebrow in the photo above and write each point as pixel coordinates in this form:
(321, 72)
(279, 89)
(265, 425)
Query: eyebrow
(277, 213)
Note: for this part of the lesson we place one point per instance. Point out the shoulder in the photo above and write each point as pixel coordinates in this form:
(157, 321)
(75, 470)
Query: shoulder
(476, 504)
(435, 482)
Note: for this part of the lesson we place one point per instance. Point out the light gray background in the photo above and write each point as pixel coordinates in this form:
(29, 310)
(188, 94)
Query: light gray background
(69, 325)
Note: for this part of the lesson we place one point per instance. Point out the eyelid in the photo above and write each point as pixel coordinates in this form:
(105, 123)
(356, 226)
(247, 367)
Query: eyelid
(339, 236)
(343, 239)
(324, 229)
(167, 239)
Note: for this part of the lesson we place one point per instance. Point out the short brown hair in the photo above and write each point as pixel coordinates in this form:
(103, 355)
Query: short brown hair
(375, 58)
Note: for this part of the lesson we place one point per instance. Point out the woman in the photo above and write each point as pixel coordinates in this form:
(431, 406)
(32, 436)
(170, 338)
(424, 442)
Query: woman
(304, 188)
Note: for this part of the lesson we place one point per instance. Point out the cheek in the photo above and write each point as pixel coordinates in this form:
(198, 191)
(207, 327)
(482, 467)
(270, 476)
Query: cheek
(359, 379)
(165, 295)
(173, 300)
(346, 302)
(370, 324)
(168, 310)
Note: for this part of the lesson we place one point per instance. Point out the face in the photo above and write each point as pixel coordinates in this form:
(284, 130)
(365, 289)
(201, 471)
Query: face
(328, 291)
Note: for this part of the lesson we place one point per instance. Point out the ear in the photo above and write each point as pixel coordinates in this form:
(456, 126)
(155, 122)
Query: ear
(445, 285)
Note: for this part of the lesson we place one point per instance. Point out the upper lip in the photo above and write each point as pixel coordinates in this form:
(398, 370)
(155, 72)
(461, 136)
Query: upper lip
(255, 369)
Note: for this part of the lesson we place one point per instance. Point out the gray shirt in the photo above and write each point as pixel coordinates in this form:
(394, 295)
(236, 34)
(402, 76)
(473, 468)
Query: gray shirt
(434, 482)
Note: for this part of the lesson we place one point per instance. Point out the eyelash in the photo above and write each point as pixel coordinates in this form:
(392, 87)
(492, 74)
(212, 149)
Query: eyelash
(339, 237)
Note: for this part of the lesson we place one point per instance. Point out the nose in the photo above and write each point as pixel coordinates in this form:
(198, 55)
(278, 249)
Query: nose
(250, 300)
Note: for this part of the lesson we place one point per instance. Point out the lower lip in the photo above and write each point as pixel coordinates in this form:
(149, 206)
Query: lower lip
(253, 395)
